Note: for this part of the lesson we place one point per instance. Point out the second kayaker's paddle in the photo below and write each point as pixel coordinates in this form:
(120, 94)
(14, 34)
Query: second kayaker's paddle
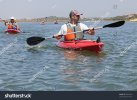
(36, 39)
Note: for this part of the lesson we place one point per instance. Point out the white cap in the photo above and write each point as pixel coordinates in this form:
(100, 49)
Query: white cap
(12, 18)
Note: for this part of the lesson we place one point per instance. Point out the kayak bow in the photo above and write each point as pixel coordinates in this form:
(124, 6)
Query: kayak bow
(81, 45)
(12, 31)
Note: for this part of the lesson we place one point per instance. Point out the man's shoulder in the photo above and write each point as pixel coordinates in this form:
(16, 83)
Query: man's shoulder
(81, 24)
(64, 25)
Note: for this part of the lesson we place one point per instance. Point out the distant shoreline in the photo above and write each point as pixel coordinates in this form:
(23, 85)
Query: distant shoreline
(65, 21)
(130, 17)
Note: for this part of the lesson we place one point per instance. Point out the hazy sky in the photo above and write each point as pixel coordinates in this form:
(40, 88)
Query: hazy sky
(43, 8)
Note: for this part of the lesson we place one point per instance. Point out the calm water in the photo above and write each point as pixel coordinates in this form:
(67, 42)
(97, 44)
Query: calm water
(49, 68)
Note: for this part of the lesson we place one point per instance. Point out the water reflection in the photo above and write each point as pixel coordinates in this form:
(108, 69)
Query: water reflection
(70, 54)
(79, 65)
(82, 55)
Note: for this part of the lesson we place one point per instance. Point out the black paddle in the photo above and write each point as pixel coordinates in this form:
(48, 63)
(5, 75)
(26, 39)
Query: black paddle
(112, 25)
(116, 24)
(36, 39)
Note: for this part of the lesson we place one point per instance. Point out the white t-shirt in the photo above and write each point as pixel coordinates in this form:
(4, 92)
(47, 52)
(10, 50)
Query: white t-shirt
(14, 24)
(63, 29)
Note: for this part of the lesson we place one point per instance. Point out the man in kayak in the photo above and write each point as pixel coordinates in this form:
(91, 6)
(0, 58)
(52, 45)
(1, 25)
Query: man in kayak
(12, 24)
(74, 26)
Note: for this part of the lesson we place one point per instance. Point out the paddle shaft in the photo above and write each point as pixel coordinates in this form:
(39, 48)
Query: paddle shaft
(78, 32)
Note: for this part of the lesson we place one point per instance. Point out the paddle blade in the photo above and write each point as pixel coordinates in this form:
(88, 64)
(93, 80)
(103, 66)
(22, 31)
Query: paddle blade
(34, 40)
(116, 24)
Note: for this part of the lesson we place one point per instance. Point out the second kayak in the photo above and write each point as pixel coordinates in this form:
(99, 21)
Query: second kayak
(12, 31)
(81, 45)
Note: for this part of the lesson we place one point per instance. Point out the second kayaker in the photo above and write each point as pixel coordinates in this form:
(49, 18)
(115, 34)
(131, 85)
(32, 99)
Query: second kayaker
(73, 26)
(12, 24)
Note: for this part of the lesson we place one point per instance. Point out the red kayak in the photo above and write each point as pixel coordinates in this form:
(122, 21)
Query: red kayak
(81, 45)
(12, 31)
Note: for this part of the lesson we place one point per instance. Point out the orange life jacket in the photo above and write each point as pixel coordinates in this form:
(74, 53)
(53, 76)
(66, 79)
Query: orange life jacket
(69, 36)
(73, 36)
(9, 26)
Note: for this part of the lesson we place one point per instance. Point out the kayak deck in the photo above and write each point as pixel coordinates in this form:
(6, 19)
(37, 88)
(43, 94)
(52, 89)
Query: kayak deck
(81, 45)
(12, 31)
